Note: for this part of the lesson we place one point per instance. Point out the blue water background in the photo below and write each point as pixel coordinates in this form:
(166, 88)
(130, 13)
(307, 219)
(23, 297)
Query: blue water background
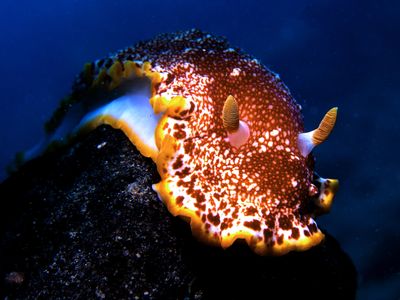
(329, 53)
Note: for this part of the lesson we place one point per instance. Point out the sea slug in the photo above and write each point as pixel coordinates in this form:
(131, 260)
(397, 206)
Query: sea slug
(226, 134)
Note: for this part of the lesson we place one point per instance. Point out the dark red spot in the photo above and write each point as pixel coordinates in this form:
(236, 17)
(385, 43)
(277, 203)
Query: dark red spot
(179, 126)
(313, 228)
(280, 240)
(188, 147)
(267, 235)
(222, 205)
(182, 174)
(251, 211)
(191, 109)
(255, 225)
(183, 112)
(235, 213)
(179, 200)
(179, 134)
(270, 222)
(169, 79)
(200, 206)
(193, 178)
(213, 219)
(226, 223)
(306, 232)
(224, 226)
(178, 162)
(284, 223)
(295, 233)
(200, 197)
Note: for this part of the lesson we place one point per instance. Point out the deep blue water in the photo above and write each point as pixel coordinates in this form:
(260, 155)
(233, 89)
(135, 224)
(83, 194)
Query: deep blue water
(329, 53)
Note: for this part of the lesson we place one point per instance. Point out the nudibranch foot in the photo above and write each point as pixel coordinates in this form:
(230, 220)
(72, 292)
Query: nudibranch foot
(117, 95)
(225, 133)
(133, 115)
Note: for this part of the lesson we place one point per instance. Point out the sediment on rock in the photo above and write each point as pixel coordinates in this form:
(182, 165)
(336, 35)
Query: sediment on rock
(83, 222)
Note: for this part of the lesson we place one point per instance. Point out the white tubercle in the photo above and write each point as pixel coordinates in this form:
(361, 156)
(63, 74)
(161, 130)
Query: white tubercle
(239, 137)
(305, 143)
(308, 140)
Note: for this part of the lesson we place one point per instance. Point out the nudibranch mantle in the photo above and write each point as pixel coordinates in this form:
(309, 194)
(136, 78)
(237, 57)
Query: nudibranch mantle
(168, 95)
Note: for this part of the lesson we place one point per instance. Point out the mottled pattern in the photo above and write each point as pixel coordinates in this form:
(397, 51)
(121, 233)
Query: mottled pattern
(258, 192)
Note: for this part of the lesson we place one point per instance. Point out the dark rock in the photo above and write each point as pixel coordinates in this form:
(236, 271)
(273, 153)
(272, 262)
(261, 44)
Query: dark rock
(84, 223)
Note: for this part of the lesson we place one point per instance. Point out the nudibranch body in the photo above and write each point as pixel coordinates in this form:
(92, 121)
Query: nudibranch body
(226, 135)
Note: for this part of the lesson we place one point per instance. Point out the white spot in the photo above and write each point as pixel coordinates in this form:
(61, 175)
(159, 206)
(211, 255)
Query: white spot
(99, 146)
(274, 132)
(252, 186)
(229, 50)
(235, 72)
(294, 182)
(235, 172)
(270, 144)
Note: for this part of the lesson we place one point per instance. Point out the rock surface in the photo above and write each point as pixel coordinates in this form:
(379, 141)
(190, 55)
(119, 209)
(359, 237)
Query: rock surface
(84, 223)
